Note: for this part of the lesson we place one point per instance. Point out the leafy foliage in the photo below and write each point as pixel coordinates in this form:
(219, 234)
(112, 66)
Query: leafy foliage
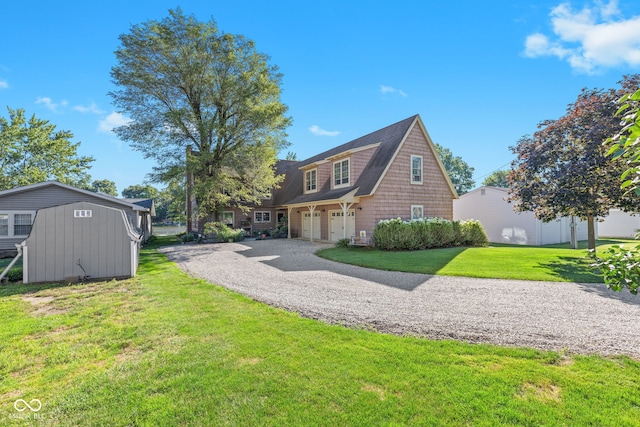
(460, 173)
(221, 232)
(472, 233)
(426, 233)
(139, 191)
(33, 151)
(621, 268)
(185, 83)
(563, 170)
(104, 186)
(625, 145)
(497, 179)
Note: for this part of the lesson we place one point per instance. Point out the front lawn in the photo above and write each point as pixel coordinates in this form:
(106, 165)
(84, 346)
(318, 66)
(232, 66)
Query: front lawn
(554, 263)
(165, 349)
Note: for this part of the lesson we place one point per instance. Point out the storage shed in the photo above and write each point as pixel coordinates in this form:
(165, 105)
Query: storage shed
(619, 224)
(80, 240)
(489, 206)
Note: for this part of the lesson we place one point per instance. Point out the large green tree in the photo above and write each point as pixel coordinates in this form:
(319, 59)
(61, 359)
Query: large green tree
(563, 170)
(139, 191)
(104, 186)
(184, 83)
(33, 151)
(459, 171)
(498, 178)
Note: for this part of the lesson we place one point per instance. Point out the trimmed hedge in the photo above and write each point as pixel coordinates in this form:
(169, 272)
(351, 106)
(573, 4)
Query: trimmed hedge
(427, 233)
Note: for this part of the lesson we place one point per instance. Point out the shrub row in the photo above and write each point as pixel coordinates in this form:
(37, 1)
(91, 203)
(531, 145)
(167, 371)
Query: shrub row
(426, 233)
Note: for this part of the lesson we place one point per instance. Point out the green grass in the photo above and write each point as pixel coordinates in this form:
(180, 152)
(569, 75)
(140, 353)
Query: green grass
(166, 349)
(555, 263)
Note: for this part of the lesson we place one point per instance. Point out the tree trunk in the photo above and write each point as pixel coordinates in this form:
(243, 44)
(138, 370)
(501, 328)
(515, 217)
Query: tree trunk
(574, 234)
(591, 232)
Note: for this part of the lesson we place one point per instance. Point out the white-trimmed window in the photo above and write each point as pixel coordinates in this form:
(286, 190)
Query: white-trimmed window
(4, 224)
(15, 224)
(227, 218)
(311, 181)
(416, 169)
(417, 211)
(341, 173)
(261, 216)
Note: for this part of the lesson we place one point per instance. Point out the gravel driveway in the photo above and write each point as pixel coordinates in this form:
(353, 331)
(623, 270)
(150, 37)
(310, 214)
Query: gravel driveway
(579, 318)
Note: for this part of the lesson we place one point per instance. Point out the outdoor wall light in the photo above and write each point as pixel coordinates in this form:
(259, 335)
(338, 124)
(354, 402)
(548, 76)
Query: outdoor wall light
(359, 208)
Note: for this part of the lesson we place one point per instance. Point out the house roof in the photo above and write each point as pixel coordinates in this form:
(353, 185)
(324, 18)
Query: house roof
(46, 184)
(386, 142)
(145, 203)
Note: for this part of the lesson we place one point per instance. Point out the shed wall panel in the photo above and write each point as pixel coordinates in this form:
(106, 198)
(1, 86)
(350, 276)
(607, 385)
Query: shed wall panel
(102, 244)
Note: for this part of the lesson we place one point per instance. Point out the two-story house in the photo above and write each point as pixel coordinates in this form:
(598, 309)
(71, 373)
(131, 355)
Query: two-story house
(393, 172)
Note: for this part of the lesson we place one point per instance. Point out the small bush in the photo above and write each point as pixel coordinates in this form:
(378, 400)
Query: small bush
(343, 243)
(14, 275)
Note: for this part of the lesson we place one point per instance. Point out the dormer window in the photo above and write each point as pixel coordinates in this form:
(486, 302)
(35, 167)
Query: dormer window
(341, 173)
(311, 181)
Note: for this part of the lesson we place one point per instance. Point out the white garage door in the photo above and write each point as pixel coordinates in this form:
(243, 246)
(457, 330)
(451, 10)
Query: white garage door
(336, 224)
(306, 225)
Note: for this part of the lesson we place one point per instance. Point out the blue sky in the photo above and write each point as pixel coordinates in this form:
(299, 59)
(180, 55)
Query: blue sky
(480, 74)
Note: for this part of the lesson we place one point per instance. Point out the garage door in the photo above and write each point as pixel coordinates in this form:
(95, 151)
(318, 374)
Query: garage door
(336, 224)
(306, 225)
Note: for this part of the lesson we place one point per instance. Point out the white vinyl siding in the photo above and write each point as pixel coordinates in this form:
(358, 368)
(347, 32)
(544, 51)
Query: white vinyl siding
(416, 169)
(417, 211)
(311, 181)
(341, 173)
(261, 217)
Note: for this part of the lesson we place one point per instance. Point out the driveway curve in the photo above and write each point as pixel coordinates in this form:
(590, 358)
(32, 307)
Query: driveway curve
(573, 317)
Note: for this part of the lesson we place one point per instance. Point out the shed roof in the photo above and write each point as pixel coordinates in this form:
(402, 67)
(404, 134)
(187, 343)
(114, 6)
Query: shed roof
(45, 184)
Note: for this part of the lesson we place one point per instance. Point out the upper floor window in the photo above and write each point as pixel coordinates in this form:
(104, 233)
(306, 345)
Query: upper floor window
(341, 173)
(311, 181)
(416, 169)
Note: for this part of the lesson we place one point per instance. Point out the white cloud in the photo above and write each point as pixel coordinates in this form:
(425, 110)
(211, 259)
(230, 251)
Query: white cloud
(590, 39)
(50, 104)
(113, 120)
(3, 84)
(92, 108)
(388, 89)
(316, 130)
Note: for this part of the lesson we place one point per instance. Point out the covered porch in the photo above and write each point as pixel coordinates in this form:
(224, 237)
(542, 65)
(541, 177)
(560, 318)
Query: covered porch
(324, 220)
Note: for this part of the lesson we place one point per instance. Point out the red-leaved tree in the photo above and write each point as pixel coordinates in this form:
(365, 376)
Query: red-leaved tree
(563, 168)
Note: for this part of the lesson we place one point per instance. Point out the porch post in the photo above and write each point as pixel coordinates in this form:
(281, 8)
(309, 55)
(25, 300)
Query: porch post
(345, 209)
(289, 222)
(312, 209)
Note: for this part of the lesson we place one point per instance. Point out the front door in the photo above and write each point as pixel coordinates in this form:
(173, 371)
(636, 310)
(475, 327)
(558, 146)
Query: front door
(336, 225)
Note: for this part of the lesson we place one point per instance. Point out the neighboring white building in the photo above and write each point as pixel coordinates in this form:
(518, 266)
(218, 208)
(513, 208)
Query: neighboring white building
(489, 206)
(619, 224)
